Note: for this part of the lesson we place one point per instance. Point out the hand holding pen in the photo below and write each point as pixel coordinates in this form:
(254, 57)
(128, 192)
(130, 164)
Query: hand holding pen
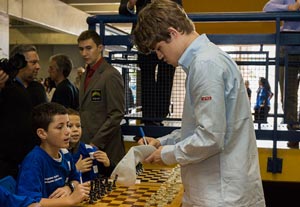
(143, 136)
(148, 140)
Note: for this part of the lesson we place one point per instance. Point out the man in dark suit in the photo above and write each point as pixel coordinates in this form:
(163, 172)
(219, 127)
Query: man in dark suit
(101, 99)
(156, 87)
(18, 97)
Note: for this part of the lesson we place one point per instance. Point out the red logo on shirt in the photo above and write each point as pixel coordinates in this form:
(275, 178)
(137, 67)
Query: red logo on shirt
(206, 98)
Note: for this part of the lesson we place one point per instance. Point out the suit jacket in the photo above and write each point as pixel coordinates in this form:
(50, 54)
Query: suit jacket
(102, 107)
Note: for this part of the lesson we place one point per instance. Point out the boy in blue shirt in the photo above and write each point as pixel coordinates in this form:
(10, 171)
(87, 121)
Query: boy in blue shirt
(48, 173)
(90, 161)
(8, 199)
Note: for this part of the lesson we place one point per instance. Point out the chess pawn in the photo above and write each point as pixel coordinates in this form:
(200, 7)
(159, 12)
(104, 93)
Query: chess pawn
(109, 187)
(114, 182)
(91, 200)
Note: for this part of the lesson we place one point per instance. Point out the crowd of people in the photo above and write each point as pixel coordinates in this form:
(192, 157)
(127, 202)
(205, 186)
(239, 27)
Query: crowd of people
(49, 139)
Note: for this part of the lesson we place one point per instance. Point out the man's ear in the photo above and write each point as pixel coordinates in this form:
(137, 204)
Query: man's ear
(41, 133)
(172, 31)
(100, 47)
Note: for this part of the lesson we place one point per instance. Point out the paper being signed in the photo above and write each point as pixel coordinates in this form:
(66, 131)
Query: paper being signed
(126, 170)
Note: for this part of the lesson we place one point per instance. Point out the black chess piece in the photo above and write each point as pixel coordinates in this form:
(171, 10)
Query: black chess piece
(106, 181)
(92, 193)
(139, 168)
(114, 182)
(102, 187)
(96, 189)
(109, 187)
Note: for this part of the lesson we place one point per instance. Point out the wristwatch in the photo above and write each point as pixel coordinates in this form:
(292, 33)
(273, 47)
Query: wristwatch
(71, 186)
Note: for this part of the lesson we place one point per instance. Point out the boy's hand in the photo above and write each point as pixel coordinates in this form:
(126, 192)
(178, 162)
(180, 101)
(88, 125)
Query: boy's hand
(61, 192)
(81, 193)
(84, 165)
(101, 156)
(35, 205)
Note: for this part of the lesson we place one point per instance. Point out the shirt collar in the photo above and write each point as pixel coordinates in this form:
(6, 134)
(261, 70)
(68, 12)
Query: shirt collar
(98, 63)
(188, 55)
(19, 81)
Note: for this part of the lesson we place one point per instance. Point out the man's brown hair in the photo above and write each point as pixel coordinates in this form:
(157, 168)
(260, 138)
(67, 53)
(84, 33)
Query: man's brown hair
(155, 19)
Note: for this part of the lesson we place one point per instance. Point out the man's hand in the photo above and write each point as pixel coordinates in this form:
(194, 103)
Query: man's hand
(155, 157)
(131, 4)
(295, 6)
(3, 79)
(150, 141)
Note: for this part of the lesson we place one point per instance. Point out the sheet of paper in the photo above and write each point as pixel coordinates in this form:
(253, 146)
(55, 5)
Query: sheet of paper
(126, 168)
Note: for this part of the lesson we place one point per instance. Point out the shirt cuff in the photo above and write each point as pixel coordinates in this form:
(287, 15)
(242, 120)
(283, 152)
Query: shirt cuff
(168, 155)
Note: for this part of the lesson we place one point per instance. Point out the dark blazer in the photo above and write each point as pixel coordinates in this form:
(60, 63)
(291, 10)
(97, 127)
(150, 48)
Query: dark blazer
(102, 107)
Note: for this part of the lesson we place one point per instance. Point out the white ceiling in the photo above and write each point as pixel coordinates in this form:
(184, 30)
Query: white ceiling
(94, 7)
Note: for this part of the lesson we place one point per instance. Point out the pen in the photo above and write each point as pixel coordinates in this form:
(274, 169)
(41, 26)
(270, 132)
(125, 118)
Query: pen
(80, 177)
(143, 135)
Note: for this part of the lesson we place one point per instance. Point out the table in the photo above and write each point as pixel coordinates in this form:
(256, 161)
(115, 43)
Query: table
(154, 187)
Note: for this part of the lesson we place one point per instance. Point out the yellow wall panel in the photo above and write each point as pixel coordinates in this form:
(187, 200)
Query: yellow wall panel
(196, 6)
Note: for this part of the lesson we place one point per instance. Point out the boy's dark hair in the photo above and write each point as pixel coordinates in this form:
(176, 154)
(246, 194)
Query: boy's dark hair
(90, 34)
(72, 111)
(42, 114)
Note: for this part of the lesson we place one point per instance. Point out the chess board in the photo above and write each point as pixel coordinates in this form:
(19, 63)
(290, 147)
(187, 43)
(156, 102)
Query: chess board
(133, 196)
(154, 175)
(138, 195)
(126, 197)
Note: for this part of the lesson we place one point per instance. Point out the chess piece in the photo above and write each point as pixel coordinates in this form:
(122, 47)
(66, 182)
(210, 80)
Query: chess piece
(109, 187)
(102, 187)
(91, 200)
(139, 168)
(114, 182)
(97, 189)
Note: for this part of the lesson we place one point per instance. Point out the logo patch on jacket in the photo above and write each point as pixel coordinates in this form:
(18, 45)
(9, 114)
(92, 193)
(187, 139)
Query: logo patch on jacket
(206, 98)
(96, 95)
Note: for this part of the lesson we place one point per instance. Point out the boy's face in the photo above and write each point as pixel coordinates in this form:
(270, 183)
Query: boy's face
(75, 127)
(58, 134)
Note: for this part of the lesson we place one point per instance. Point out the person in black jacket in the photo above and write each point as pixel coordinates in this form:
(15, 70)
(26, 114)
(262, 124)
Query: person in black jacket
(18, 97)
(156, 87)
(66, 92)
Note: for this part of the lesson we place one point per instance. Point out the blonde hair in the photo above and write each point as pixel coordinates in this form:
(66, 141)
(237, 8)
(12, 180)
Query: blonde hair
(153, 23)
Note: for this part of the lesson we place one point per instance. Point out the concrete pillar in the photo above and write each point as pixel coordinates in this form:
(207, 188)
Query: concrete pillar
(4, 35)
